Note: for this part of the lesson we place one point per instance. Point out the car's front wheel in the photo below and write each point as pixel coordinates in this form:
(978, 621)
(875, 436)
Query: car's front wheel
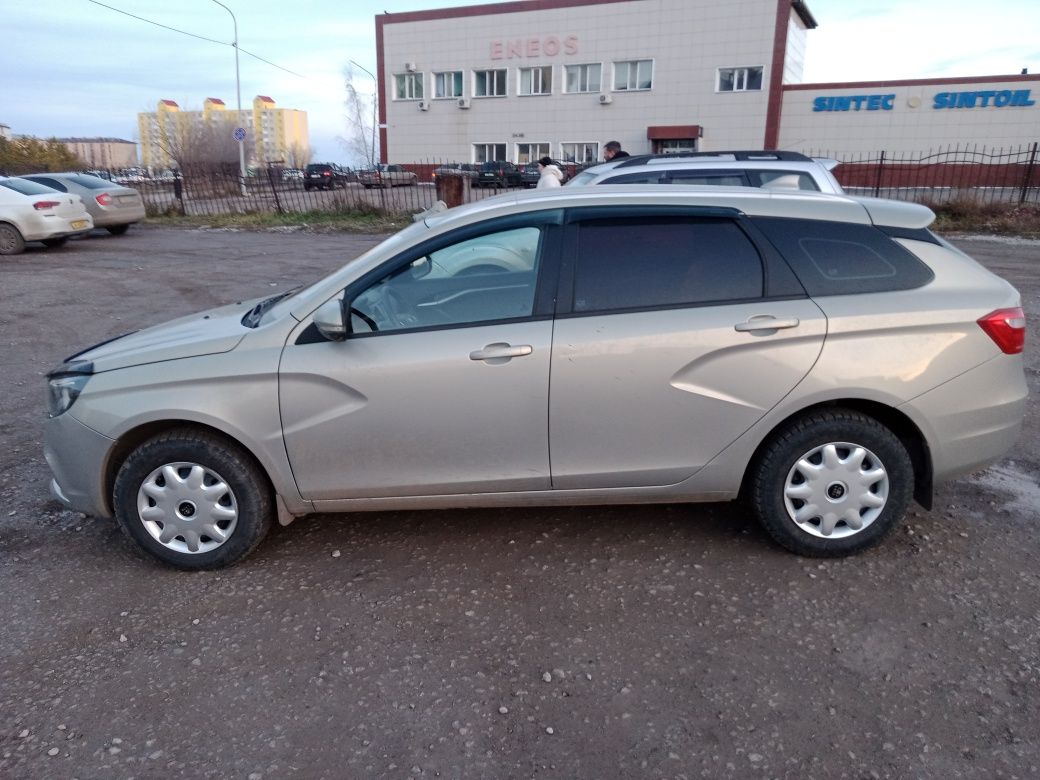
(11, 241)
(831, 483)
(193, 500)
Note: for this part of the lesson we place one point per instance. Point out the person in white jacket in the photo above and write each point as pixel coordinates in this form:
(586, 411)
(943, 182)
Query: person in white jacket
(549, 174)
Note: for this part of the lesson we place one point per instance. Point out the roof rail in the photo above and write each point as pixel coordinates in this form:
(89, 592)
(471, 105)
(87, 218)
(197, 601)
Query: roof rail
(743, 156)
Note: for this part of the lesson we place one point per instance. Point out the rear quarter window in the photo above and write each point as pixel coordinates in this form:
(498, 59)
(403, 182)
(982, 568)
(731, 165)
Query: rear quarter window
(840, 258)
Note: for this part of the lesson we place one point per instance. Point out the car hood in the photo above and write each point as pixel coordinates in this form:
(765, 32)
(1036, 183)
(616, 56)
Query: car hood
(205, 333)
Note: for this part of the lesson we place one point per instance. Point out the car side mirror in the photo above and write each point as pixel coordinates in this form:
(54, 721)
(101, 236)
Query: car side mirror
(330, 320)
(421, 267)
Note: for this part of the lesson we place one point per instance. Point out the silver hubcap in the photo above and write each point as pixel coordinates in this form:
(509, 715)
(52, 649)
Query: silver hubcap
(7, 239)
(187, 508)
(836, 490)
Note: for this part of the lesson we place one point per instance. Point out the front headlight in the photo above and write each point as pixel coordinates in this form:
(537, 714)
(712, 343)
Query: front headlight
(62, 391)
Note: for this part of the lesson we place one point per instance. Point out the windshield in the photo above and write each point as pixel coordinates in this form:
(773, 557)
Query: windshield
(90, 182)
(583, 178)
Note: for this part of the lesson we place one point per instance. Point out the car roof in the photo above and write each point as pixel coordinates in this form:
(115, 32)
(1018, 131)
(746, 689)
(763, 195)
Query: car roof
(792, 204)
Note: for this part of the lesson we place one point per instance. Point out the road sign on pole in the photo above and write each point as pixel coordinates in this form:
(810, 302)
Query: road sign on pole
(240, 134)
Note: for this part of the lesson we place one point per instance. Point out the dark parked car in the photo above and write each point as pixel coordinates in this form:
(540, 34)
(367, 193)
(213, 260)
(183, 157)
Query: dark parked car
(466, 170)
(499, 174)
(325, 176)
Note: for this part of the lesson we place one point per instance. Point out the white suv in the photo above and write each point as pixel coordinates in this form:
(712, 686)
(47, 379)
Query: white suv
(767, 169)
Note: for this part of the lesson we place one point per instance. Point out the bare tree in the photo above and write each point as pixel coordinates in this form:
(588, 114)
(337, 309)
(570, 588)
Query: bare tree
(360, 140)
(298, 155)
(193, 141)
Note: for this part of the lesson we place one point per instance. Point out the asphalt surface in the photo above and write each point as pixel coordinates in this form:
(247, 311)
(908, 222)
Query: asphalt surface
(661, 641)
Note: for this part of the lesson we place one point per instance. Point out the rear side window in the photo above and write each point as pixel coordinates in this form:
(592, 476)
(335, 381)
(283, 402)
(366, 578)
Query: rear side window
(840, 258)
(783, 180)
(26, 187)
(641, 263)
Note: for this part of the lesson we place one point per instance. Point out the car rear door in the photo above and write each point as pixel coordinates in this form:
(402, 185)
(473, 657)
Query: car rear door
(676, 331)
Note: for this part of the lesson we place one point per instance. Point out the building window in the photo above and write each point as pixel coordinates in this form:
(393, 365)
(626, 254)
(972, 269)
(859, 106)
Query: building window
(739, 79)
(634, 74)
(528, 153)
(488, 152)
(447, 85)
(583, 78)
(536, 81)
(408, 86)
(579, 153)
(489, 83)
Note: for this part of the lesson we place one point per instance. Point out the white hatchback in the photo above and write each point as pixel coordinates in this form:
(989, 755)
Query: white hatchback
(32, 212)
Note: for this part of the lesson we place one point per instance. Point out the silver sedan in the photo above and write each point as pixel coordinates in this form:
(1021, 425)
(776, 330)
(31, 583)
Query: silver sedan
(113, 206)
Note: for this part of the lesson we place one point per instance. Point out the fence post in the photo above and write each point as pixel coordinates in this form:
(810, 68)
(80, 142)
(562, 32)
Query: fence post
(877, 181)
(1029, 174)
(274, 189)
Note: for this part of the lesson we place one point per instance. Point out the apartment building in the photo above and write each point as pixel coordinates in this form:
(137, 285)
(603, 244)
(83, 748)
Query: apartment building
(272, 134)
(108, 153)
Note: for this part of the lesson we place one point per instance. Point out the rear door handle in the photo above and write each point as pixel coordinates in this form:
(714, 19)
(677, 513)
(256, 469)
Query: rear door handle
(501, 352)
(766, 322)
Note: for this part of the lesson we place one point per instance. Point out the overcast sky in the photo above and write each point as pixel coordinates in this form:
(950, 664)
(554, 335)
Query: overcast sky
(74, 68)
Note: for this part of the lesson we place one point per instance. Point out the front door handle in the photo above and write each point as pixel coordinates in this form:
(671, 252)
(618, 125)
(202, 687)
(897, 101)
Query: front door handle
(766, 322)
(501, 352)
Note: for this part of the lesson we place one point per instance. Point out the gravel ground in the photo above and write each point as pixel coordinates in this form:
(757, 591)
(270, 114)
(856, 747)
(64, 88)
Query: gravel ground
(660, 641)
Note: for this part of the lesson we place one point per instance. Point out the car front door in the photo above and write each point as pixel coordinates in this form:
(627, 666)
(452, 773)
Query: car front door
(671, 341)
(442, 387)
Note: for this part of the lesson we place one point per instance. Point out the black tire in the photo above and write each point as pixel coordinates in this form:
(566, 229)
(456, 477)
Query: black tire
(248, 497)
(117, 230)
(11, 241)
(776, 477)
(306, 188)
(55, 243)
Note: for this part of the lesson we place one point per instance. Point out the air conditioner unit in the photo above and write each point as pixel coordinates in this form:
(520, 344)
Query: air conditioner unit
(605, 99)
(410, 67)
(424, 105)
(463, 103)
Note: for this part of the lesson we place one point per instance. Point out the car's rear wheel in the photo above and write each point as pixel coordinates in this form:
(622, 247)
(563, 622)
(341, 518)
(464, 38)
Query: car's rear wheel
(831, 483)
(193, 500)
(11, 241)
(54, 243)
(117, 230)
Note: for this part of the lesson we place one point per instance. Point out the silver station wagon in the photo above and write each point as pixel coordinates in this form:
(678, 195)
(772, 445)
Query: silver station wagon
(826, 359)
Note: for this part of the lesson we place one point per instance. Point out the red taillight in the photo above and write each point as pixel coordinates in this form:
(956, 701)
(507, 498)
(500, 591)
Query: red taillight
(327, 173)
(40, 205)
(1007, 328)
(104, 199)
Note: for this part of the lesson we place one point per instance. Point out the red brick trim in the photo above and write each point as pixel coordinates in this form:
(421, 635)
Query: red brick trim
(911, 82)
(384, 153)
(672, 132)
(776, 75)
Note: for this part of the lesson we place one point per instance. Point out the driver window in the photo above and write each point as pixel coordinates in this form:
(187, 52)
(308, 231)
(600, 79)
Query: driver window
(491, 277)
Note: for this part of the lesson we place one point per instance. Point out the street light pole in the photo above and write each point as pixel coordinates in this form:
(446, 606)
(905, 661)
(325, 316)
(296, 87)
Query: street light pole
(375, 91)
(238, 92)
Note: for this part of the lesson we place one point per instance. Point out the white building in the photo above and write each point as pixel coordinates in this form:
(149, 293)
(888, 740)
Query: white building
(520, 80)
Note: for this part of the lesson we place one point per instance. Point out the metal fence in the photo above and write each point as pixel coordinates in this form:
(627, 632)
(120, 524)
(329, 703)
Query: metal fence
(959, 174)
(968, 173)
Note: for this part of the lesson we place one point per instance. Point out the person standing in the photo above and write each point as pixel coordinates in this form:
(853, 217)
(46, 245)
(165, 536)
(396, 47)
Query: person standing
(613, 151)
(549, 174)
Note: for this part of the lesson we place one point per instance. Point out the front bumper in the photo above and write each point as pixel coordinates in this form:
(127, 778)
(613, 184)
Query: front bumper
(77, 455)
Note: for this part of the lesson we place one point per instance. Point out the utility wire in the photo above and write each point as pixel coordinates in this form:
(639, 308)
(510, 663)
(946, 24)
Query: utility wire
(193, 35)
